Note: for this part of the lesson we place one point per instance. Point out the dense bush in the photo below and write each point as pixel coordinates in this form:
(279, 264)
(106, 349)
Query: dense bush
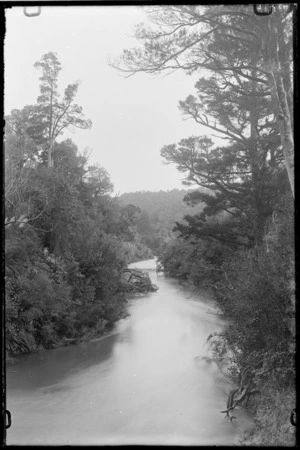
(38, 298)
(197, 262)
(246, 98)
(156, 214)
(255, 288)
(67, 240)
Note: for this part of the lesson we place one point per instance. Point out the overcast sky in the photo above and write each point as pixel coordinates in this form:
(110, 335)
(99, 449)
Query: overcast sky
(132, 118)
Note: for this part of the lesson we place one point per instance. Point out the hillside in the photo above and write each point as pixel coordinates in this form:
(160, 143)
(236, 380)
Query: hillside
(158, 214)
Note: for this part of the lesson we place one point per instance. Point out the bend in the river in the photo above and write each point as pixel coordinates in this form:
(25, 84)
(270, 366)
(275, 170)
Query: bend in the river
(151, 382)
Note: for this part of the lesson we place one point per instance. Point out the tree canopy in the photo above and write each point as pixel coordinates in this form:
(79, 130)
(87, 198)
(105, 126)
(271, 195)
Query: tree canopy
(235, 246)
(239, 52)
(51, 116)
(67, 239)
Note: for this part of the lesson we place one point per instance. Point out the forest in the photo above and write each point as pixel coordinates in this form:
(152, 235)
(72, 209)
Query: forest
(67, 239)
(240, 245)
(158, 213)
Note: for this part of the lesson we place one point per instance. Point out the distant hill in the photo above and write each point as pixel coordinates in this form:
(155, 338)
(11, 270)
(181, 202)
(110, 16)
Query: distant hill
(159, 212)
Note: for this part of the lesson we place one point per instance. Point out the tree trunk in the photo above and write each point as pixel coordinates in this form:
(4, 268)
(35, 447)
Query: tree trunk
(50, 159)
(257, 162)
(276, 76)
(50, 162)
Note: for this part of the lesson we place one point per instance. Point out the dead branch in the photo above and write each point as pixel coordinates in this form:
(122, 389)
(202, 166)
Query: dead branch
(237, 396)
(25, 220)
(136, 281)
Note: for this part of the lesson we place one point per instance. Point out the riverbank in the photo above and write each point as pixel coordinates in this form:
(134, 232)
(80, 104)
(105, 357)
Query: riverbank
(133, 387)
(271, 410)
(90, 336)
(101, 329)
(205, 296)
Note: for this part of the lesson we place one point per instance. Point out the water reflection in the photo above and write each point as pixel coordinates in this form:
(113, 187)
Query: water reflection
(52, 366)
(153, 382)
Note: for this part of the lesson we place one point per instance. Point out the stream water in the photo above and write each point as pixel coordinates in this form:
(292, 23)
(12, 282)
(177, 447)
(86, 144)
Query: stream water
(151, 382)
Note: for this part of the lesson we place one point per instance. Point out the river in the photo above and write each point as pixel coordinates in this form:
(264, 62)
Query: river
(151, 382)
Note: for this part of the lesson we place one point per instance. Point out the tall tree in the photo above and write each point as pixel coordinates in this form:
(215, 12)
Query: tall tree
(227, 174)
(223, 40)
(57, 115)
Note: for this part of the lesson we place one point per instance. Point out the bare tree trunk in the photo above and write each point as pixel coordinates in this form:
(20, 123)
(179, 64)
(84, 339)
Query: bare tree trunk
(50, 149)
(50, 162)
(257, 161)
(276, 75)
(285, 128)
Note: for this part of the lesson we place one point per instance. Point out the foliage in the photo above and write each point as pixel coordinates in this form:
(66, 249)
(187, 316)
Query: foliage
(156, 214)
(272, 420)
(67, 240)
(235, 98)
(193, 261)
(137, 281)
(244, 96)
(248, 61)
(135, 251)
(255, 289)
(41, 124)
(236, 188)
(37, 297)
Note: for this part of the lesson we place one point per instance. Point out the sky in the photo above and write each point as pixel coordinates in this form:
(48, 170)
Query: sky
(133, 118)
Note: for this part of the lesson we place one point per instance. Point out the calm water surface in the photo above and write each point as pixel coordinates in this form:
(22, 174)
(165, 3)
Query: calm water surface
(152, 382)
